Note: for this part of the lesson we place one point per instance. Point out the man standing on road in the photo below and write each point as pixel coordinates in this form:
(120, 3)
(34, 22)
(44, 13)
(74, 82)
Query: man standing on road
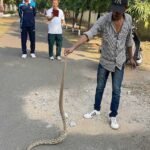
(27, 14)
(116, 30)
(55, 16)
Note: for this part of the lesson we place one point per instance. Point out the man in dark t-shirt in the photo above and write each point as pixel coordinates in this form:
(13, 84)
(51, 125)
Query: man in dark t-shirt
(27, 13)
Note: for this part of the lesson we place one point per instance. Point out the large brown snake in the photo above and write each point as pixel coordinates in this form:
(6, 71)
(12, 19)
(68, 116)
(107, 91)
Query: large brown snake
(63, 134)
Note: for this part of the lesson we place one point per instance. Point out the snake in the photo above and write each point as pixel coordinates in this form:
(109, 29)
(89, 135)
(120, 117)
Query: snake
(63, 134)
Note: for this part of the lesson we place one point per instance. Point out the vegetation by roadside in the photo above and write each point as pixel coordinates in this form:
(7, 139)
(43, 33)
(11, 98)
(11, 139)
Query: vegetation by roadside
(5, 24)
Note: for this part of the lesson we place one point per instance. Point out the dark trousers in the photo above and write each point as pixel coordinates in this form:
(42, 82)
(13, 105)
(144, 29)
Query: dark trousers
(52, 38)
(24, 34)
(102, 76)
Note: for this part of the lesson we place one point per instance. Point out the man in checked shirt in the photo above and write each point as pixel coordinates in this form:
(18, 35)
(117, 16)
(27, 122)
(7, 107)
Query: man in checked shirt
(116, 30)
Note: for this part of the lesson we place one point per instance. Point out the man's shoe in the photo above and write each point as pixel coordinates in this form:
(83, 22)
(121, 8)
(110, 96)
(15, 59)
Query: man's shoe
(58, 58)
(51, 58)
(113, 123)
(33, 55)
(91, 114)
(24, 56)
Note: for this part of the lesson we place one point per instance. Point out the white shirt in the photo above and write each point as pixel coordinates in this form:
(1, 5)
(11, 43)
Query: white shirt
(55, 25)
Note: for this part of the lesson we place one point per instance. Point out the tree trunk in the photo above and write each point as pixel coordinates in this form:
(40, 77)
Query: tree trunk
(80, 23)
(73, 21)
(1, 6)
(98, 15)
(76, 15)
(89, 20)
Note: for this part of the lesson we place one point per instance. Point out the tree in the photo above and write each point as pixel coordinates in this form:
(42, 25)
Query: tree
(8, 2)
(42, 4)
(140, 11)
(1, 6)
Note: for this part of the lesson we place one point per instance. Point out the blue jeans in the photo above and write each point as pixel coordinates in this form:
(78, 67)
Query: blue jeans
(102, 76)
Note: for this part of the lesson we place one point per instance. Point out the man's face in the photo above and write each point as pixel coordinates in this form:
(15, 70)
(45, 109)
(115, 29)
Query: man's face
(26, 1)
(117, 15)
(55, 3)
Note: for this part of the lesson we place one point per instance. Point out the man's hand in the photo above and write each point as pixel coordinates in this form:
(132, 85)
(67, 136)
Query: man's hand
(133, 63)
(50, 18)
(82, 40)
(68, 51)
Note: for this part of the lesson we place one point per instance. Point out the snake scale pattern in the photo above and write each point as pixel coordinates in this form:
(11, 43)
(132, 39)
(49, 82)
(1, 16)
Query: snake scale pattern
(63, 134)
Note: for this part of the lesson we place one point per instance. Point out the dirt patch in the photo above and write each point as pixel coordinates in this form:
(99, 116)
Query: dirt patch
(5, 24)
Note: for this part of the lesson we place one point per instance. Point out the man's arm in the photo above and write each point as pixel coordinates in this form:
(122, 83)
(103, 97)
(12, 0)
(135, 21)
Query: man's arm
(63, 18)
(63, 22)
(81, 41)
(49, 15)
(97, 27)
(131, 57)
(129, 44)
(130, 53)
(34, 11)
(50, 18)
(20, 11)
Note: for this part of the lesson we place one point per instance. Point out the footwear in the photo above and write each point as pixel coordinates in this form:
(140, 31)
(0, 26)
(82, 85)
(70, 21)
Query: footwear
(24, 56)
(33, 55)
(51, 58)
(91, 114)
(113, 123)
(58, 58)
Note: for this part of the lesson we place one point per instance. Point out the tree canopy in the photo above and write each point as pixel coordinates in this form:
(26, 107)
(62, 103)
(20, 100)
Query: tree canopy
(139, 9)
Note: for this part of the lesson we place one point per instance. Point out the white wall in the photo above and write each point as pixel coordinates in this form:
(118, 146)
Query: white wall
(10, 8)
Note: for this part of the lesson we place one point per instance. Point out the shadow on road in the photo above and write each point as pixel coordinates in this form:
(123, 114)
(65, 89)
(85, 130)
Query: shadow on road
(20, 77)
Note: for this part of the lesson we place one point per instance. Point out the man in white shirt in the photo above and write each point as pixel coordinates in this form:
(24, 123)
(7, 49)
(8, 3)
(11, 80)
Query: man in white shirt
(55, 16)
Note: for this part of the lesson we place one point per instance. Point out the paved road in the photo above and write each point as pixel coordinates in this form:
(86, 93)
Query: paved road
(23, 80)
